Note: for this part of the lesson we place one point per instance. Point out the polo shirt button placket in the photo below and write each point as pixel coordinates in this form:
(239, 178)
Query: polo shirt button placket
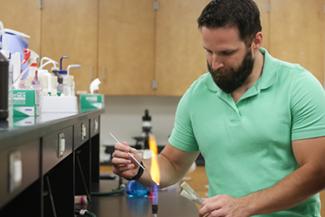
(236, 117)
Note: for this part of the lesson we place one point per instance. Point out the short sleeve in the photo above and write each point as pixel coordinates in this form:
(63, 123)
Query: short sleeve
(182, 136)
(308, 108)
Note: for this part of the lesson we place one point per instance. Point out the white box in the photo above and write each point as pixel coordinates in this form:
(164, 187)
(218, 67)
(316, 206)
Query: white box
(59, 104)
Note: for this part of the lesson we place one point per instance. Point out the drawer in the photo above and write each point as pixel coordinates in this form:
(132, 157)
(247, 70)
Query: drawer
(94, 126)
(19, 168)
(56, 146)
(82, 132)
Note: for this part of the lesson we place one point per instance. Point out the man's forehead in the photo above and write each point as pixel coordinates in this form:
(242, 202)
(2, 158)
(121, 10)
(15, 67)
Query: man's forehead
(221, 38)
(222, 32)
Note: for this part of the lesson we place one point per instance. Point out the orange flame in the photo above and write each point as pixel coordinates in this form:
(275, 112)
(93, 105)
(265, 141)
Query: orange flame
(154, 169)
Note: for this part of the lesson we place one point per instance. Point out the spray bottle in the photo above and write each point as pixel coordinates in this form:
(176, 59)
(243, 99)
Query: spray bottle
(46, 79)
(35, 83)
(61, 75)
(69, 84)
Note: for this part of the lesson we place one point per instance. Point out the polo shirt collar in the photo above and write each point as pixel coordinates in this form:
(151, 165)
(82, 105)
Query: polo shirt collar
(266, 80)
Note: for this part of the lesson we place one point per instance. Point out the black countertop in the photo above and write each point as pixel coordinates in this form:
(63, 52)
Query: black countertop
(37, 126)
(171, 204)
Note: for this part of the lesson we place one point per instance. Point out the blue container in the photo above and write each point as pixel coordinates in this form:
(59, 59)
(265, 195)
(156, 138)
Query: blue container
(136, 189)
(14, 41)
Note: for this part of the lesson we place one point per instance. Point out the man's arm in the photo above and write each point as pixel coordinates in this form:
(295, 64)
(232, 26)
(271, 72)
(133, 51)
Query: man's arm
(307, 180)
(173, 164)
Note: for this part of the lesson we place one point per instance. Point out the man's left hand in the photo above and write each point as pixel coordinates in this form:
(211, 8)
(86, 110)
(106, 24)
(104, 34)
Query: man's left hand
(224, 206)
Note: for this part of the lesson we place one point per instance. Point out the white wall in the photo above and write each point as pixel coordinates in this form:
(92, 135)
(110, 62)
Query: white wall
(123, 117)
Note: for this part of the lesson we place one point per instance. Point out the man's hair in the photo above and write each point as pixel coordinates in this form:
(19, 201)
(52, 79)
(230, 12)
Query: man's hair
(243, 14)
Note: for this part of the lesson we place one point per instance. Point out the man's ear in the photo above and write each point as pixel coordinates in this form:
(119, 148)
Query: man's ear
(257, 41)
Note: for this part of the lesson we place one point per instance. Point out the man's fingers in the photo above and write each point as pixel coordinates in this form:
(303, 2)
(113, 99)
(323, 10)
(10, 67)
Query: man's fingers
(122, 147)
(124, 151)
(116, 160)
(209, 205)
(126, 168)
(216, 213)
(120, 154)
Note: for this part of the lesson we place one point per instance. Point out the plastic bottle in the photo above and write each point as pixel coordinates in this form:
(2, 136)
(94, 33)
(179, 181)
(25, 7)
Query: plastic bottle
(59, 89)
(36, 85)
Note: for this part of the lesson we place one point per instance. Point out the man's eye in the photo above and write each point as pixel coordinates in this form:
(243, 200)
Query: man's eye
(209, 52)
(227, 53)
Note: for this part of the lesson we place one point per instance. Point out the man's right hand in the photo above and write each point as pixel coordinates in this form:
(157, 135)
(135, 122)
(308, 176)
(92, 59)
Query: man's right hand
(123, 164)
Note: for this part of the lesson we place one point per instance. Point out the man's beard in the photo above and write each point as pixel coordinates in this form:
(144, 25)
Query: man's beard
(230, 79)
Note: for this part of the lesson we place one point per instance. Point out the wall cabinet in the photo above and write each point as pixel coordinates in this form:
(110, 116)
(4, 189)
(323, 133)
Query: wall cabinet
(69, 27)
(154, 47)
(23, 16)
(297, 34)
(264, 6)
(126, 47)
(180, 57)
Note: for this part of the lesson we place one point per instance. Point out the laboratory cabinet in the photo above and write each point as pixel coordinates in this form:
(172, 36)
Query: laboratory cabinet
(23, 16)
(126, 47)
(70, 28)
(56, 146)
(154, 47)
(44, 165)
(19, 166)
(179, 53)
(297, 33)
(170, 30)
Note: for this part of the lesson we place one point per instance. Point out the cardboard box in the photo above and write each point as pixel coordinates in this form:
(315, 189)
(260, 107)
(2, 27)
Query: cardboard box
(59, 104)
(24, 121)
(89, 102)
(25, 103)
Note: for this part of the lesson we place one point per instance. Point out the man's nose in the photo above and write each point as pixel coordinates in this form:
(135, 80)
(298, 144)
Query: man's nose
(216, 63)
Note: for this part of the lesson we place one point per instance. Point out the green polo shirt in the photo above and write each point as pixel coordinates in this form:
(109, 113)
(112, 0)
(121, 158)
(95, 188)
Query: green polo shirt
(247, 144)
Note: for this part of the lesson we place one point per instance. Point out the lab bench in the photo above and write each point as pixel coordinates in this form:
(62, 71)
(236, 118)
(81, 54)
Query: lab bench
(170, 204)
(45, 164)
(48, 161)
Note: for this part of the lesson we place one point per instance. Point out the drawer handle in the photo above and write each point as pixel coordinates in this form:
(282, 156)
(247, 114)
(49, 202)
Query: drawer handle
(96, 125)
(61, 145)
(16, 170)
(83, 132)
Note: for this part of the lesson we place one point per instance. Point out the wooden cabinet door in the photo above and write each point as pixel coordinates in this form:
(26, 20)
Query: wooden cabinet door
(264, 7)
(69, 27)
(297, 33)
(126, 46)
(23, 16)
(180, 57)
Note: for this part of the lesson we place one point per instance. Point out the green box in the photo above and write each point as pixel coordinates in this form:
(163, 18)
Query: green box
(89, 102)
(24, 121)
(24, 103)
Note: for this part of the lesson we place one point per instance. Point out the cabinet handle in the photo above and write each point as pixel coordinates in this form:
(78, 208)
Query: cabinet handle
(15, 170)
(83, 132)
(96, 126)
(61, 145)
